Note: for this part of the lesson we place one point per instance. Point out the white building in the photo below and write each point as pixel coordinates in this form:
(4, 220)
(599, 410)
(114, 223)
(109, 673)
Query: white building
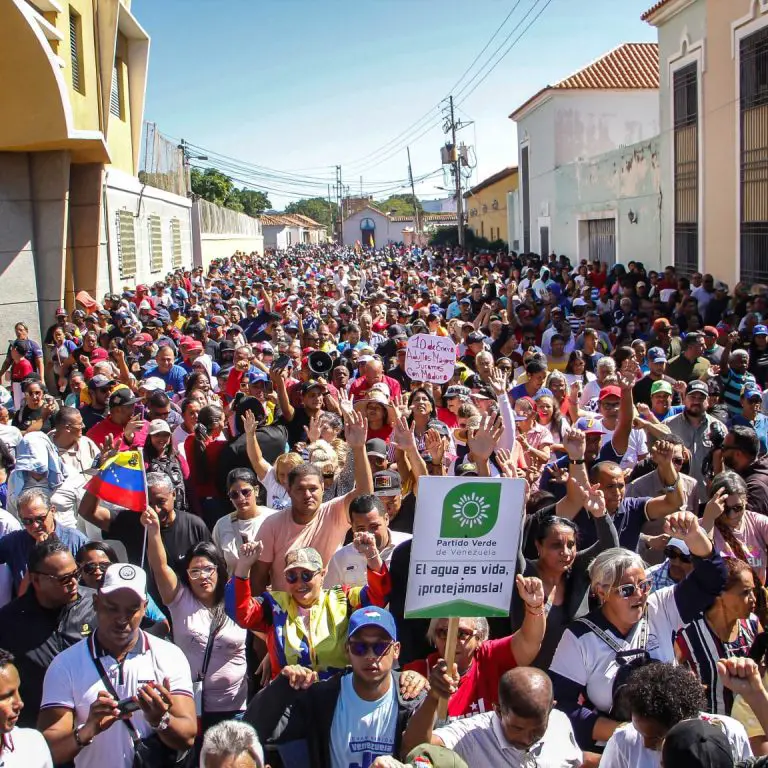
(283, 230)
(372, 227)
(588, 159)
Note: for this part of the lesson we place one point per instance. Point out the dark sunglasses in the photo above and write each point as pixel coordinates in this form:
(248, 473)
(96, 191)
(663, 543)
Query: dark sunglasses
(28, 522)
(359, 648)
(462, 634)
(672, 553)
(244, 492)
(627, 590)
(306, 576)
(91, 568)
(329, 475)
(64, 579)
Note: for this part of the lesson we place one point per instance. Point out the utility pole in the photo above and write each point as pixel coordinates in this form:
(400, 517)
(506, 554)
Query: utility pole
(186, 156)
(330, 212)
(416, 228)
(340, 201)
(457, 177)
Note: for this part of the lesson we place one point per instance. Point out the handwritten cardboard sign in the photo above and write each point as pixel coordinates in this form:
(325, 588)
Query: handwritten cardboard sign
(430, 359)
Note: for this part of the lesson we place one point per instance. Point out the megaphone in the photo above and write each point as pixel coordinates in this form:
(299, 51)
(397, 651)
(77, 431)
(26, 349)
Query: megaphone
(319, 363)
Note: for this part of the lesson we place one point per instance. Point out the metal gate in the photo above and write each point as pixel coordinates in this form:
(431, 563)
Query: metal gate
(544, 241)
(602, 240)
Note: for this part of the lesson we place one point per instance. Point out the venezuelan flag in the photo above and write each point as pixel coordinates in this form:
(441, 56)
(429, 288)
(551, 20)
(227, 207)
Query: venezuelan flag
(120, 480)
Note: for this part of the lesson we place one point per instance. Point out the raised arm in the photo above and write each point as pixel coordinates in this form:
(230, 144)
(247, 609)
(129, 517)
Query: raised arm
(575, 443)
(355, 432)
(499, 387)
(526, 642)
(94, 513)
(673, 499)
(260, 465)
(165, 577)
(278, 382)
(249, 610)
(627, 377)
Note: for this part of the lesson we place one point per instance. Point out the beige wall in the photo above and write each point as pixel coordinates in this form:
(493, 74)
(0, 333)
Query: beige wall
(119, 133)
(85, 105)
(493, 219)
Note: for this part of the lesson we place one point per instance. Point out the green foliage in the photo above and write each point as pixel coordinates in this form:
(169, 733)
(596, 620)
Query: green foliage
(399, 205)
(316, 208)
(218, 188)
(448, 237)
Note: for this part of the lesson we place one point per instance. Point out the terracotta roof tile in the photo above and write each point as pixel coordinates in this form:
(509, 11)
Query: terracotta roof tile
(629, 66)
(653, 9)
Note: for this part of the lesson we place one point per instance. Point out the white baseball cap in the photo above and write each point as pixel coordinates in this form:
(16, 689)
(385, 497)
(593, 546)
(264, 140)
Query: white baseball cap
(125, 576)
(152, 384)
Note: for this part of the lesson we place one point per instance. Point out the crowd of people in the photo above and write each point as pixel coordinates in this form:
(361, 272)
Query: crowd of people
(254, 613)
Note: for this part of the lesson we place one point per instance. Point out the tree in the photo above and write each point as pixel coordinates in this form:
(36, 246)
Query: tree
(218, 188)
(316, 208)
(399, 205)
(253, 201)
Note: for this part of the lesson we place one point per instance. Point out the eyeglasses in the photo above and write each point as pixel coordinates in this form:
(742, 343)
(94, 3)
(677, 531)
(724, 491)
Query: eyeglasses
(359, 648)
(672, 553)
(91, 568)
(306, 576)
(64, 579)
(244, 492)
(627, 590)
(29, 522)
(201, 573)
(463, 634)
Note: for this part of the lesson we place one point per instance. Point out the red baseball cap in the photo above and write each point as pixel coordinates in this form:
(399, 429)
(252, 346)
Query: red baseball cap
(610, 391)
(99, 354)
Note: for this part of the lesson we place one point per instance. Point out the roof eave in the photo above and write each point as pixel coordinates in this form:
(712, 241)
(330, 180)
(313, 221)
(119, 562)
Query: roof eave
(661, 15)
(537, 100)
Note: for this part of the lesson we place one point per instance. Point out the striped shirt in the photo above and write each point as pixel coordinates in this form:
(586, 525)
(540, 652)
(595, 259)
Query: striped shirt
(701, 648)
(733, 384)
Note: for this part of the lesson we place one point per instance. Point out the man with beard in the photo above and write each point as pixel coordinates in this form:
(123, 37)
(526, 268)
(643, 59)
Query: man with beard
(739, 451)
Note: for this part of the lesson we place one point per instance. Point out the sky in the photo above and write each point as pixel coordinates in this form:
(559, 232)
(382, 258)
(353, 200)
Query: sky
(297, 87)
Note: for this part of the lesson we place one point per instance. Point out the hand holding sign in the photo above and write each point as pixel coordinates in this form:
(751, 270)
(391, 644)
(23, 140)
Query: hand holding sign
(430, 359)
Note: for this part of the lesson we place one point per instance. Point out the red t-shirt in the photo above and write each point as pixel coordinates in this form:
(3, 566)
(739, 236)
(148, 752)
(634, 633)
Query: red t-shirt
(479, 686)
(20, 370)
(448, 418)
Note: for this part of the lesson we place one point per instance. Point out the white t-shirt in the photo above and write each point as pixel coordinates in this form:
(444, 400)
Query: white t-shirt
(362, 730)
(25, 748)
(637, 446)
(177, 439)
(230, 532)
(349, 568)
(625, 748)
(73, 681)
(480, 741)
(277, 495)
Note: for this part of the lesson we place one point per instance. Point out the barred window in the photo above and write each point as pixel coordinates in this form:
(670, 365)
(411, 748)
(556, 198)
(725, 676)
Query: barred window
(155, 244)
(75, 50)
(176, 256)
(126, 243)
(116, 94)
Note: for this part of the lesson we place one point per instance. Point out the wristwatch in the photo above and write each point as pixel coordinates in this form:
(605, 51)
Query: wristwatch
(164, 721)
(576, 461)
(670, 488)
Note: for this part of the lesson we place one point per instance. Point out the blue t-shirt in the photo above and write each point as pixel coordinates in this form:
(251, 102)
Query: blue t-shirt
(760, 426)
(174, 379)
(628, 520)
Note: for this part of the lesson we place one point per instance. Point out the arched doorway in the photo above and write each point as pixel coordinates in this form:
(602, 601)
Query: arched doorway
(367, 233)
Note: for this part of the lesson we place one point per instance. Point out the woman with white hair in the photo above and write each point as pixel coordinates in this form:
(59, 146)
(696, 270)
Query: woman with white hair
(605, 368)
(631, 628)
(324, 455)
(231, 743)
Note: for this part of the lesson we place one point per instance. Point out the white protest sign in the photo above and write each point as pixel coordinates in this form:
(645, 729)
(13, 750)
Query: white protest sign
(466, 536)
(430, 359)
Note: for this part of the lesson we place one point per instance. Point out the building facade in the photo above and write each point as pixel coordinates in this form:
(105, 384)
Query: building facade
(485, 205)
(282, 230)
(570, 200)
(371, 227)
(714, 130)
(74, 214)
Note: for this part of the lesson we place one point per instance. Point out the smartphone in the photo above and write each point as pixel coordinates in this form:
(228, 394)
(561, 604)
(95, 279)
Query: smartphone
(138, 410)
(126, 706)
(283, 361)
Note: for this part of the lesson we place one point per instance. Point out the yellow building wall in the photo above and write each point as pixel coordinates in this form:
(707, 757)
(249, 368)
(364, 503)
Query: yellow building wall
(119, 131)
(493, 223)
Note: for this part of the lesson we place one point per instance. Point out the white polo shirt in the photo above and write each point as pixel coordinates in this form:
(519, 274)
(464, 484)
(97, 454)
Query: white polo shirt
(73, 681)
(349, 568)
(479, 740)
(24, 748)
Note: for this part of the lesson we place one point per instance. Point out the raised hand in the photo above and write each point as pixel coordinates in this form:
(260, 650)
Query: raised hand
(741, 675)
(716, 505)
(248, 554)
(482, 441)
(345, 403)
(682, 525)
(399, 405)
(365, 544)
(575, 443)
(506, 463)
(531, 590)
(558, 474)
(313, 430)
(403, 434)
(593, 498)
(442, 683)
(643, 409)
(574, 392)
(498, 382)
(713, 371)
(249, 423)
(661, 453)
(150, 520)
(434, 445)
(681, 386)
(627, 376)
(355, 429)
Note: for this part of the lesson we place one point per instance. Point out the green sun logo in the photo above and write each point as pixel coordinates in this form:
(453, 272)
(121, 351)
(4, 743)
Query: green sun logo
(470, 509)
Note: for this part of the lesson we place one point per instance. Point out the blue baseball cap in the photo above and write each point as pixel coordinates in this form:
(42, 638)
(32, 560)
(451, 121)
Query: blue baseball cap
(760, 330)
(657, 355)
(256, 376)
(589, 425)
(372, 617)
(752, 390)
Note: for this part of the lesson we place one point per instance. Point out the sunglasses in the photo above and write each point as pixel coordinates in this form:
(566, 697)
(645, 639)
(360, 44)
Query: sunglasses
(328, 475)
(306, 576)
(462, 634)
(736, 509)
(359, 648)
(91, 568)
(627, 590)
(671, 553)
(29, 522)
(64, 579)
(244, 492)
(201, 573)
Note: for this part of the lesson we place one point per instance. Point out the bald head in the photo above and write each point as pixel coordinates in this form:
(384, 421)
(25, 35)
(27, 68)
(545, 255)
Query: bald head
(374, 371)
(526, 692)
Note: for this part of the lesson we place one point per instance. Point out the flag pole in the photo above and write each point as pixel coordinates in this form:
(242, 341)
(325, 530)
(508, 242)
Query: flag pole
(146, 496)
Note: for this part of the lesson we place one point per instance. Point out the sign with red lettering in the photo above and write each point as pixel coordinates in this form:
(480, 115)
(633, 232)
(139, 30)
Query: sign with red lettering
(430, 359)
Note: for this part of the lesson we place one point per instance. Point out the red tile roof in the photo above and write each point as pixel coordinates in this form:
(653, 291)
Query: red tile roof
(628, 67)
(653, 9)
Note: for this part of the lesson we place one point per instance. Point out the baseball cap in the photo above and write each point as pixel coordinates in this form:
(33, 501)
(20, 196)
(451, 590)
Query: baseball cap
(475, 338)
(308, 385)
(376, 447)
(99, 354)
(217, 320)
(456, 390)
(680, 545)
(158, 427)
(152, 384)
(440, 427)
(760, 330)
(662, 322)
(306, 558)
(465, 469)
(697, 386)
(721, 286)
(61, 311)
(661, 386)
(372, 617)
(432, 756)
(698, 743)
(254, 377)
(100, 381)
(124, 576)
(610, 391)
(483, 393)
(590, 425)
(657, 355)
(122, 396)
(141, 338)
(710, 330)
(387, 483)
(752, 390)
(579, 302)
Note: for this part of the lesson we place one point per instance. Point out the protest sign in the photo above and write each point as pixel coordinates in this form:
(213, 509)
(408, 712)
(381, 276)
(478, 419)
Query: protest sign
(430, 359)
(466, 536)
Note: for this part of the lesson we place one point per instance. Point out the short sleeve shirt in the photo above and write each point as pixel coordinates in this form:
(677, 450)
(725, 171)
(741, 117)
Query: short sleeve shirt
(628, 520)
(325, 532)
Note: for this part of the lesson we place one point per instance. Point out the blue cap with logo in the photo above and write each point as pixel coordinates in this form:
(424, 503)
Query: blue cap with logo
(657, 355)
(752, 390)
(372, 617)
(590, 425)
(760, 330)
(254, 377)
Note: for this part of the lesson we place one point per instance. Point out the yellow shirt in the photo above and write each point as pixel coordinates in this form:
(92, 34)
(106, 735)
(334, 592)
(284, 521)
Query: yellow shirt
(557, 363)
(744, 714)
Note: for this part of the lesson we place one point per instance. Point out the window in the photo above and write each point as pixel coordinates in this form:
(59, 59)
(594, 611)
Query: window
(116, 94)
(155, 244)
(753, 76)
(686, 149)
(601, 234)
(525, 174)
(175, 243)
(75, 50)
(126, 243)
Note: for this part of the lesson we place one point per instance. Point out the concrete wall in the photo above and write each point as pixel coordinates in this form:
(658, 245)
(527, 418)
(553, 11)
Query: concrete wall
(611, 186)
(491, 222)
(223, 246)
(126, 192)
(276, 236)
(386, 231)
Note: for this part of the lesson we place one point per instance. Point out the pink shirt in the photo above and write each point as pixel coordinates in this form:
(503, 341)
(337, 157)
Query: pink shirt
(279, 533)
(225, 688)
(753, 536)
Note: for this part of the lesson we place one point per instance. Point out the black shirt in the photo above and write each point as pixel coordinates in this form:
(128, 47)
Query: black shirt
(272, 440)
(411, 633)
(91, 417)
(296, 428)
(403, 522)
(35, 635)
(24, 417)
